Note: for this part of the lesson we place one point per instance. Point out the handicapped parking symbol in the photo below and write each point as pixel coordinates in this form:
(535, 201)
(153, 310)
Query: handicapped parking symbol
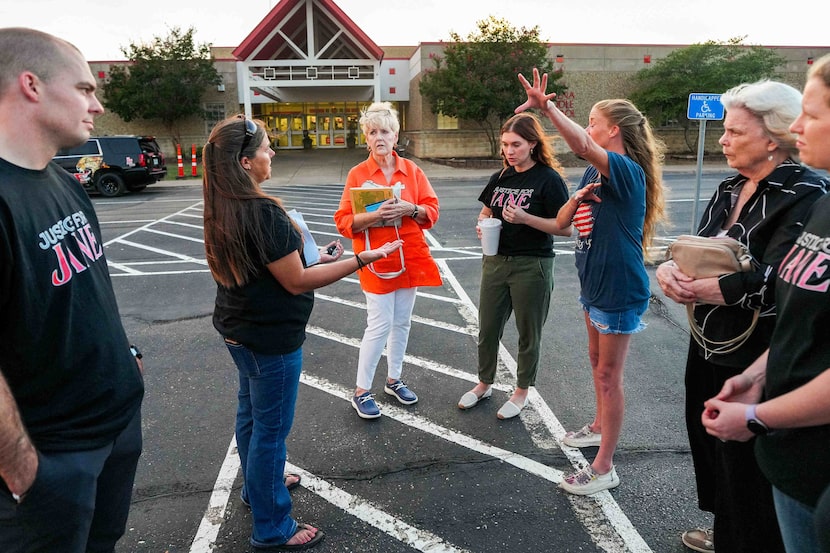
(704, 106)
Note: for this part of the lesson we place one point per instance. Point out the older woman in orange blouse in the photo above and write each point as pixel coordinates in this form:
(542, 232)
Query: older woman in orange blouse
(390, 285)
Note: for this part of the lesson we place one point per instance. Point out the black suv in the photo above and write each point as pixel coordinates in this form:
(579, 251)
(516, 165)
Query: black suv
(112, 165)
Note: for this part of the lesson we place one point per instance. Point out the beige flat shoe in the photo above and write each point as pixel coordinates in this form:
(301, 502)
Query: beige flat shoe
(510, 409)
(470, 400)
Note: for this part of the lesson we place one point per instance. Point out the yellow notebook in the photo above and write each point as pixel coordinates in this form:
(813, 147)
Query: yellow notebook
(367, 199)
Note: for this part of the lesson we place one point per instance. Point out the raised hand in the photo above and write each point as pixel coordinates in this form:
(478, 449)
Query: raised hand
(536, 96)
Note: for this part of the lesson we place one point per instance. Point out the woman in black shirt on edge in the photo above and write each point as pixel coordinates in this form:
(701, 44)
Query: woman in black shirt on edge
(263, 301)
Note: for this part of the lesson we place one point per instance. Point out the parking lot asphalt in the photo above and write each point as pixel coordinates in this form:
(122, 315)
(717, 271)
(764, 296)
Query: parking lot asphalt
(425, 478)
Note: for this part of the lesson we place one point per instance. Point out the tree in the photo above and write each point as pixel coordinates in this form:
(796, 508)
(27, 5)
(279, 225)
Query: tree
(662, 91)
(475, 80)
(166, 80)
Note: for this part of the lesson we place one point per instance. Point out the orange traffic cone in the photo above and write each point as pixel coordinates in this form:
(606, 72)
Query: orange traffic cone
(179, 157)
(193, 157)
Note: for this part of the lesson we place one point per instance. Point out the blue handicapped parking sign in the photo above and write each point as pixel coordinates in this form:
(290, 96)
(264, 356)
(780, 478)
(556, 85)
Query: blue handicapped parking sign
(704, 106)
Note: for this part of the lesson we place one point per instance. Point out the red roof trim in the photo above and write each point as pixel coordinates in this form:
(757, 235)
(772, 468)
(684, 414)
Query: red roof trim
(255, 37)
(282, 9)
(350, 26)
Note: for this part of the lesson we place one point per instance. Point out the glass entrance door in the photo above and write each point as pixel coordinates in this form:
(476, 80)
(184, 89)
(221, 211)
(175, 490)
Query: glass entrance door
(331, 130)
(285, 130)
(338, 130)
(281, 130)
(324, 131)
(296, 131)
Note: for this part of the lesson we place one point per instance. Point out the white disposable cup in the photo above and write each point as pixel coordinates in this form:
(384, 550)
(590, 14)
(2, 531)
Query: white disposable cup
(490, 230)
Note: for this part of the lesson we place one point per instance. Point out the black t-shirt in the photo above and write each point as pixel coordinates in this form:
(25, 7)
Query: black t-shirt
(797, 460)
(539, 191)
(63, 351)
(262, 315)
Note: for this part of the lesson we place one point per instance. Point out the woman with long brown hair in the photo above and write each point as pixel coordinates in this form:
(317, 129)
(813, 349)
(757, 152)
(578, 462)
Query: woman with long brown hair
(264, 298)
(615, 210)
(525, 195)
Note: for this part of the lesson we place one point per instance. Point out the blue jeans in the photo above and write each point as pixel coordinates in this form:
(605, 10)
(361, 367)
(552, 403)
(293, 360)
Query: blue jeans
(796, 522)
(79, 501)
(267, 394)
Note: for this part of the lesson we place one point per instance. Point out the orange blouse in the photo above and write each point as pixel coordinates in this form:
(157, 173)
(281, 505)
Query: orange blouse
(421, 269)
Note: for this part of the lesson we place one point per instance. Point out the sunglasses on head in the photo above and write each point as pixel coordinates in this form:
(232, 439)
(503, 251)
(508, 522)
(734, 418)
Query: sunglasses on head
(250, 131)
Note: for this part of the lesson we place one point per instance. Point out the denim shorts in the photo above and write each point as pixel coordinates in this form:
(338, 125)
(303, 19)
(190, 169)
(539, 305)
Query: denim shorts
(618, 322)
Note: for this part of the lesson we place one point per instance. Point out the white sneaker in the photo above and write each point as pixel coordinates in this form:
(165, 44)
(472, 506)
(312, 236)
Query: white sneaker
(510, 409)
(584, 437)
(588, 482)
(470, 400)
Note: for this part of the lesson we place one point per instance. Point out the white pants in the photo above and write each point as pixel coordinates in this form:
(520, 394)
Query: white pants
(388, 320)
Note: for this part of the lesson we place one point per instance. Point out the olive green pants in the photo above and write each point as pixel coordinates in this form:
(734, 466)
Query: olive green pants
(521, 285)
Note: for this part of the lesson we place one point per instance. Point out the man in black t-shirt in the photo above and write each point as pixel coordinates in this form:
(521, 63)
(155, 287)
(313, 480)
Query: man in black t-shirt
(70, 383)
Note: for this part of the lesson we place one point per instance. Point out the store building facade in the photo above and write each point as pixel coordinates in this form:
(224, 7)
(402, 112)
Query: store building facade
(307, 70)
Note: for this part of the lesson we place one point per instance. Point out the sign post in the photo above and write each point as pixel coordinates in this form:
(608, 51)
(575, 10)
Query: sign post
(702, 107)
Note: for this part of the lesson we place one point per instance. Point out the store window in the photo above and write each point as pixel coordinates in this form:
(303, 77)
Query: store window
(446, 122)
(214, 113)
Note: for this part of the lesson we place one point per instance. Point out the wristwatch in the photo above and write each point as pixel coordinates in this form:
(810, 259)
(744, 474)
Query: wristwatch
(415, 212)
(135, 351)
(753, 423)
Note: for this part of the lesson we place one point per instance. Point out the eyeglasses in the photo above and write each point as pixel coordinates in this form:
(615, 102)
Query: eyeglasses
(250, 131)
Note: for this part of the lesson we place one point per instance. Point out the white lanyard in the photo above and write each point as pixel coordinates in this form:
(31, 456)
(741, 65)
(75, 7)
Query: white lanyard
(387, 276)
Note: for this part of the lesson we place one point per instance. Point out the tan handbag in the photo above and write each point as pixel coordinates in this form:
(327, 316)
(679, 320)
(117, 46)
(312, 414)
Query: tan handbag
(704, 257)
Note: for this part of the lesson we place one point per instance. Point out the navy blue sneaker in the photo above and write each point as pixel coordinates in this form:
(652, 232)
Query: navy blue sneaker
(400, 391)
(365, 406)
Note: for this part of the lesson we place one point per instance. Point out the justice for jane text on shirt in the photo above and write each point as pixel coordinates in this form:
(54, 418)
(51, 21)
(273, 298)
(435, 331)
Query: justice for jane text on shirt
(87, 246)
(520, 197)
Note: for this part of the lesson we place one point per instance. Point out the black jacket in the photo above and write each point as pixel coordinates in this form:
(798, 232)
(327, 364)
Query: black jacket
(768, 225)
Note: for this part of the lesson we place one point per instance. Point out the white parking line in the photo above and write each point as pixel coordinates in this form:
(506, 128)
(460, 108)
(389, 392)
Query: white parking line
(409, 359)
(612, 514)
(360, 508)
(215, 514)
(415, 318)
(179, 256)
(148, 225)
(451, 435)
